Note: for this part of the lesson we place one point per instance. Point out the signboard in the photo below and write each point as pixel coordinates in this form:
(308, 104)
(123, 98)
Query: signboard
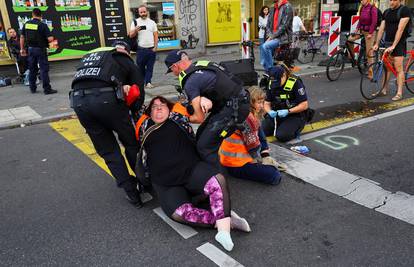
(325, 21)
(113, 19)
(4, 51)
(168, 8)
(73, 24)
(223, 21)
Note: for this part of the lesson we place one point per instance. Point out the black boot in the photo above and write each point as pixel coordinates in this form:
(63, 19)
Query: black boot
(132, 193)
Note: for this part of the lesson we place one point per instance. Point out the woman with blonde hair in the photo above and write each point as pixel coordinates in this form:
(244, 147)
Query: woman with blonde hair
(245, 154)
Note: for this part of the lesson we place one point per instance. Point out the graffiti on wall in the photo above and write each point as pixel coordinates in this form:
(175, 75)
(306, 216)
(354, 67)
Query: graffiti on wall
(188, 25)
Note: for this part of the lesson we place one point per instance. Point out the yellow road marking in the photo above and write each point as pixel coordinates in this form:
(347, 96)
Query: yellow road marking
(74, 132)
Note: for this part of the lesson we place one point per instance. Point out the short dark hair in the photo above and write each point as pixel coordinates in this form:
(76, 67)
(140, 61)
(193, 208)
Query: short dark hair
(162, 100)
(10, 28)
(36, 12)
(261, 14)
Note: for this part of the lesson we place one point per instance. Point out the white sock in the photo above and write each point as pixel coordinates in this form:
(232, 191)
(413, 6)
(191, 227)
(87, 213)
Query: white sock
(239, 223)
(224, 238)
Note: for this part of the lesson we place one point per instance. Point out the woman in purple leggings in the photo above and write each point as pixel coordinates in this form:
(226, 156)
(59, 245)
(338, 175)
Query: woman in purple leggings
(178, 174)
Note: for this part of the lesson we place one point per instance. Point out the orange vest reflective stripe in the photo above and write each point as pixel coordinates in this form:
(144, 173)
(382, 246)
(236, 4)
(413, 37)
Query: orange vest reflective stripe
(179, 108)
(139, 123)
(233, 152)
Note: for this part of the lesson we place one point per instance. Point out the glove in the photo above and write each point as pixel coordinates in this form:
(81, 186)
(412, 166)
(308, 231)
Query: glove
(282, 113)
(272, 113)
(272, 162)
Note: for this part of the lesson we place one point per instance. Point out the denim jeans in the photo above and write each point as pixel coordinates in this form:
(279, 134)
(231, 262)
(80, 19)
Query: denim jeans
(266, 53)
(146, 61)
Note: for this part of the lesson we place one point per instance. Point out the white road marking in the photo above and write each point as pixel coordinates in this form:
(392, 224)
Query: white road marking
(350, 124)
(184, 230)
(217, 256)
(357, 189)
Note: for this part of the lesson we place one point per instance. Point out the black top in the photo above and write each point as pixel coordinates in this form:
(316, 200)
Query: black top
(171, 155)
(199, 82)
(43, 31)
(392, 21)
(298, 92)
(14, 46)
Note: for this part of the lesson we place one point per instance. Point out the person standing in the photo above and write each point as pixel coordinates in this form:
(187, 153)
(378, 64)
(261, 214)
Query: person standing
(37, 36)
(278, 31)
(96, 99)
(145, 29)
(395, 24)
(297, 24)
(263, 16)
(230, 102)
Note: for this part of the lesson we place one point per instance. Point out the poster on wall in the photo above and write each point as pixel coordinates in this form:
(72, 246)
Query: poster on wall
(113, 20)
(223, 21)
(73, 24)
(325, 20)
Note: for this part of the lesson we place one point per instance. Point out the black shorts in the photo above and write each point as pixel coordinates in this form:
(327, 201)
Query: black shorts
(400, 49)
(172, 197)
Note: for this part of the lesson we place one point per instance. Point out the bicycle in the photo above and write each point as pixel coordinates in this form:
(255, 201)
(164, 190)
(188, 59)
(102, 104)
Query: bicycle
(309, 46)
(371, 87)
(336, 62)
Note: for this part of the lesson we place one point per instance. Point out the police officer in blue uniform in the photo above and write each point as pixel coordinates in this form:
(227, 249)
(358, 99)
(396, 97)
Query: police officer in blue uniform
(37, 36)
(203, 80)
(286, 100)
(100, 82)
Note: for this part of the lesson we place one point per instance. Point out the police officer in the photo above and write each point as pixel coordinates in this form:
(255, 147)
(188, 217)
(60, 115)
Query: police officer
(100, 82)
(230, 102)
(37, 36)
(286, 101)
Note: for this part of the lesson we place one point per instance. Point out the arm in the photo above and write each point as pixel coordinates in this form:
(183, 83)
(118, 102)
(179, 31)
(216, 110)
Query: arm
(286, 17)
(198, 116)
(401, 26)
(379, 35)
(133, 30)
(299, 108)
(373, 25)
(155, 41)
(22, 49)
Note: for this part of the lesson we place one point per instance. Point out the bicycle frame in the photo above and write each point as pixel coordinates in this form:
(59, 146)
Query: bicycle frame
(388, 64)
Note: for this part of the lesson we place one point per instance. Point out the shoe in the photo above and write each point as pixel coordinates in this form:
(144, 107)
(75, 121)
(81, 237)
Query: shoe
(397, 97)
(134, 198)
(239, 223)
(149, 86)
(33, 91)
(50, 91)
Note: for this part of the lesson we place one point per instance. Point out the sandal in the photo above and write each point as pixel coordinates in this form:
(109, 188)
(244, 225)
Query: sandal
(397, 97)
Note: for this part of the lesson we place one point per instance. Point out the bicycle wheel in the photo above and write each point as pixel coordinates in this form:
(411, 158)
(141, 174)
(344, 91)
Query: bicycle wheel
(371, 87)
(335, 66)
(305, 53)
(409, 78)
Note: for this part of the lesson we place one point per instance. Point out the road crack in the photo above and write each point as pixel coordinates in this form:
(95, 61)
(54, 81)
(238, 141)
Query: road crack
(383, 203)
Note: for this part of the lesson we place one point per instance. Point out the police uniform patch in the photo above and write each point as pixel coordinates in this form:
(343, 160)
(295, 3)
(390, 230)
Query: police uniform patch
(301, 91)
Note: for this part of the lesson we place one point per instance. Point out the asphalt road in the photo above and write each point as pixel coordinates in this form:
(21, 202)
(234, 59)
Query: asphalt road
(59, 208)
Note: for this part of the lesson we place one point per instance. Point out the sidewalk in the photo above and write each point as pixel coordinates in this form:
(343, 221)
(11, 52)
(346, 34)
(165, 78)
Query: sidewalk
(19, 107)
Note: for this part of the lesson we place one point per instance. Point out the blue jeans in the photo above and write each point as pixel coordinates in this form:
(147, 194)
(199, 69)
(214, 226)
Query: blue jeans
(146, 61)
(38, 56)
(266, 53)
(256, 172)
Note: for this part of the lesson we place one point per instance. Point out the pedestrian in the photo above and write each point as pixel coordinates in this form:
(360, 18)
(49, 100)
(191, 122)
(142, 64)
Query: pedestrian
(146, 32)
(245, 154)
(297, 24)
(278, 31)
(263, 16)
(97, 99)
(36, 36)
(367, 26)
(287, 102)
(230, 102)
(395, 23)
(177, 172)
(14, 46)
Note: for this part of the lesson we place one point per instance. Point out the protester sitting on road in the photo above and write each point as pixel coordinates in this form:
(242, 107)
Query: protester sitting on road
(395, 23)
(97, 99)
(278, 31)
(367, 26)
(14, 46)
(245, 154)
(286, 101)
(177, 172)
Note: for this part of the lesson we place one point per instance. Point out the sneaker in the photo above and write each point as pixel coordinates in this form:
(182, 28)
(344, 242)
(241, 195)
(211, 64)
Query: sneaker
(149, 86)
(50, 91)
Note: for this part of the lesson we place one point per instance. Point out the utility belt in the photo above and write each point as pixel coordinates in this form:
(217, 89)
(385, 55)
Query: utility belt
(234, 102)
(95, 91)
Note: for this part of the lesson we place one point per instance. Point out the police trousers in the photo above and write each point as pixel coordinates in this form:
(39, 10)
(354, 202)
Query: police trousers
(209, 133)
(287, 128)
(101, 115)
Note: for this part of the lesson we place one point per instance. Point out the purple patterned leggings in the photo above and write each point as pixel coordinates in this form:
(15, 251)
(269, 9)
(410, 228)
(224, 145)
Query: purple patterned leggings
(191, 214)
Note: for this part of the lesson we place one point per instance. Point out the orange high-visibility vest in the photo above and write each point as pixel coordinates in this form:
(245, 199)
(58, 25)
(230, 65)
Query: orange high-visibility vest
(233, 152)
(139, 123)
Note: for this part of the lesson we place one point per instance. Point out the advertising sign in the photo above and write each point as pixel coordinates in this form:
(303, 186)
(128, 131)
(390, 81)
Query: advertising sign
(223, 21)
(73, 23)
(168, 8)
(325, 20)
(113, 19)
